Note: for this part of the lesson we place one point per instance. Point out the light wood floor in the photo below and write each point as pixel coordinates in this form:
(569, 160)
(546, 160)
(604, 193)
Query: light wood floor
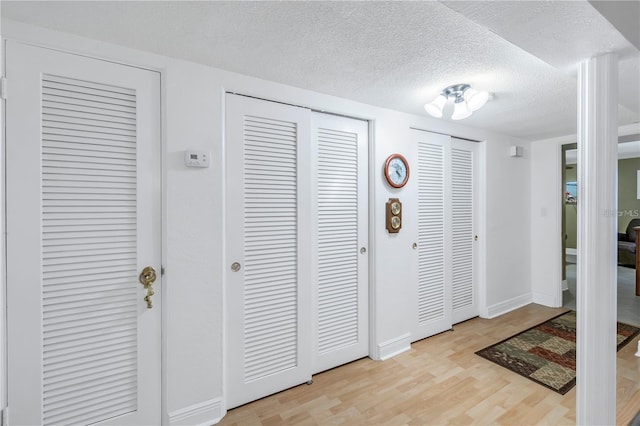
(439, 381)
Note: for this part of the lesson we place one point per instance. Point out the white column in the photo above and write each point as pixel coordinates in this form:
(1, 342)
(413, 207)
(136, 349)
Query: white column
(596, 269)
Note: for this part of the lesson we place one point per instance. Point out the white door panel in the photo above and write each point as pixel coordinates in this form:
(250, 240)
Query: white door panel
(340, 315)
(463, 230)
(83, 219)
(433, 297)
(268, 294)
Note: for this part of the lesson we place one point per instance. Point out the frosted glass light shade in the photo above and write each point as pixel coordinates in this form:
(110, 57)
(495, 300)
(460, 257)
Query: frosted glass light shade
(435, 108)
(475, 99)
(460, 111)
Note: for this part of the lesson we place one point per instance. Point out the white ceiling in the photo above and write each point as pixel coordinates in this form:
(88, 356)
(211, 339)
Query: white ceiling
(397, 54)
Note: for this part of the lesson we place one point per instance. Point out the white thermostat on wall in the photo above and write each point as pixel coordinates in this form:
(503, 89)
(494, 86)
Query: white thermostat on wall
(196, 159)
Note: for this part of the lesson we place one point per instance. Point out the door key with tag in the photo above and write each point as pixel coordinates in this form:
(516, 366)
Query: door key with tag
(147, 278)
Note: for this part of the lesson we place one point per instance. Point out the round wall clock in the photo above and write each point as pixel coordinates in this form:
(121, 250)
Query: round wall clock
(396, 170)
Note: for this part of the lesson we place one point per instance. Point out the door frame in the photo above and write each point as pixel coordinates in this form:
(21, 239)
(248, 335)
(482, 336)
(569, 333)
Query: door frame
(3, 243)
(61, 46)
(564, 146)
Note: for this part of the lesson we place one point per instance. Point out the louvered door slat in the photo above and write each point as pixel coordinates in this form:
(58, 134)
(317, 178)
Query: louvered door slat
(337, 213)
(431, 235)
(88, 248)
(462, 233)
(270, 302)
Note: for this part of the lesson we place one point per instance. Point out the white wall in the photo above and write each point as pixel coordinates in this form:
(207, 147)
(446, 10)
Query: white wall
(193, 104)
(507, 239)
(546, 216)
(546, 220)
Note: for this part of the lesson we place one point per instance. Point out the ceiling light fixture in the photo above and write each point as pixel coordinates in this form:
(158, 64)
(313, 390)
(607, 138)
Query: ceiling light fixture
(466, 100)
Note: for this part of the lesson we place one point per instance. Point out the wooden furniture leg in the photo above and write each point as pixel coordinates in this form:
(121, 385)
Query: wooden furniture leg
(637, 229)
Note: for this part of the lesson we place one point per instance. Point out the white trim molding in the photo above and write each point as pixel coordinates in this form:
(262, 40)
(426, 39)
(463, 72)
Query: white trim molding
(393, 347)
(546, 299)
(3, 266)
(203, 413)
(597, 264)
(509, 305)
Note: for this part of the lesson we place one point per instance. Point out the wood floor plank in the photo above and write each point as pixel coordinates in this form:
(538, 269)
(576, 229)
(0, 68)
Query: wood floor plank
(439, 381)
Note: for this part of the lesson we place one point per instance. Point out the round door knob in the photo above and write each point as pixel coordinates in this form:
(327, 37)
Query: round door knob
(363, 250)
(235, 266)
(415, 246)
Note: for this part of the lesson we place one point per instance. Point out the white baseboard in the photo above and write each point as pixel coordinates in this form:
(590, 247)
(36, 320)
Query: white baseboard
(509, 305)
(393, 347)
(571, 251)
(546, 300)
(202, 414)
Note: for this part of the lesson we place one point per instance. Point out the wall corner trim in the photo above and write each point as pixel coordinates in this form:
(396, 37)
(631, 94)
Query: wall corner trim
(394, 347)
(546, 300)
(203, 413)
(509, 305)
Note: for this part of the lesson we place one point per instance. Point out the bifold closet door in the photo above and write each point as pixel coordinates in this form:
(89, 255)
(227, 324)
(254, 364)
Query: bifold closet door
(433, 313)
(83, 220)
(268, 246)
(463, 228)
(340, 261)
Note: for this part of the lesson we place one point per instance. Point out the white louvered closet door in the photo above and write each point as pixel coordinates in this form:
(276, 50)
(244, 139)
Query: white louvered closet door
(268, 246)
(433, 298)
(83, 219)
(463, 229)
(340, 261)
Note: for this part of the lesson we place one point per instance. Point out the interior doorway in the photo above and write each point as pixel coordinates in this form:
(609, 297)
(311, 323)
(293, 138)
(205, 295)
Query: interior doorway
(569, 209)
(627, 210)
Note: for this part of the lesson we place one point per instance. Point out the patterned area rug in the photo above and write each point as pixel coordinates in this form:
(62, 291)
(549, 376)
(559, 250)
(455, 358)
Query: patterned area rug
(546, 353)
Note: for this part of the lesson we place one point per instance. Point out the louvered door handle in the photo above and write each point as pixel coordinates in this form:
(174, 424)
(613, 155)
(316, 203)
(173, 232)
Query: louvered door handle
(147, 278)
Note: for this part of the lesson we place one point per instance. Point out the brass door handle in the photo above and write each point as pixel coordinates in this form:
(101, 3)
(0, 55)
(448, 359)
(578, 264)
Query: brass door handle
(147, 278)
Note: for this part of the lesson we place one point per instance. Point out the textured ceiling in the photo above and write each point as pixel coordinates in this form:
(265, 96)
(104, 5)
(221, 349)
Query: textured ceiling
(397, 55)
(575, 32)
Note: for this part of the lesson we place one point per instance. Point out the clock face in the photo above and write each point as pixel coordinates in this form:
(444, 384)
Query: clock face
(396, 170)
